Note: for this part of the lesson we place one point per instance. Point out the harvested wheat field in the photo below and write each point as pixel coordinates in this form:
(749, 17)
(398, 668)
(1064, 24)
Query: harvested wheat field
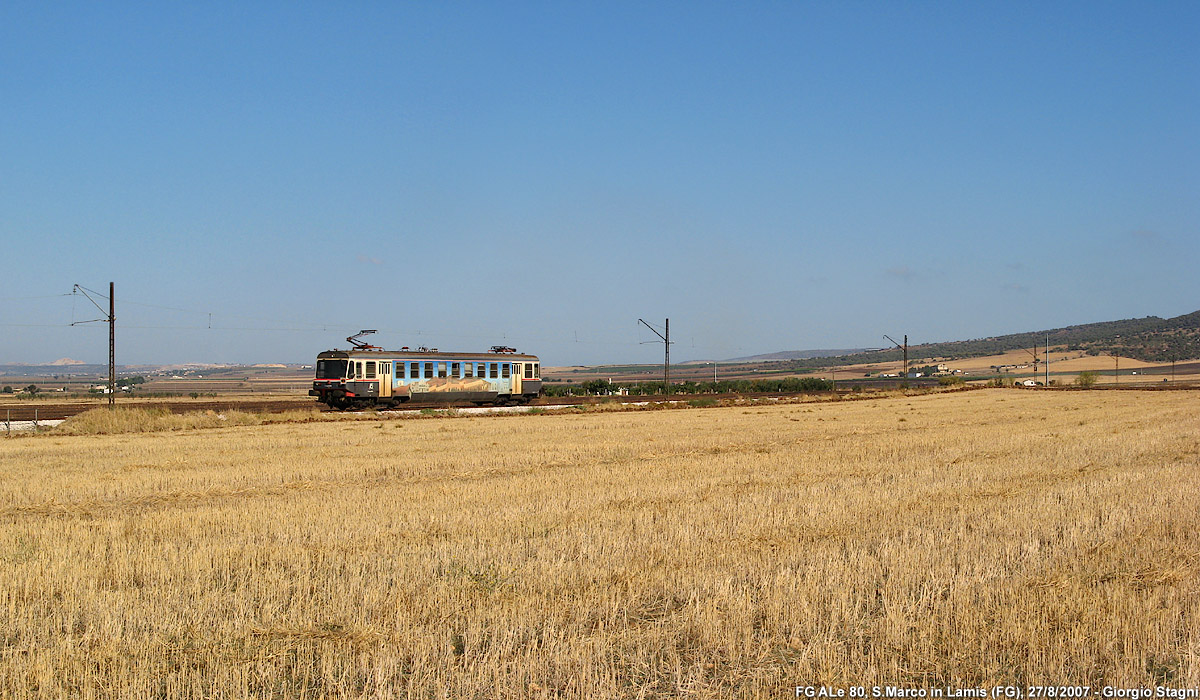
(951, 540)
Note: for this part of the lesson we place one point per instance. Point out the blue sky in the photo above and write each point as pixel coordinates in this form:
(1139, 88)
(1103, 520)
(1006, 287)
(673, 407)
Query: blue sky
(769, 175)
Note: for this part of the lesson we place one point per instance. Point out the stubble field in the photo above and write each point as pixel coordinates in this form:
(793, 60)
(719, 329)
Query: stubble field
(963, 540)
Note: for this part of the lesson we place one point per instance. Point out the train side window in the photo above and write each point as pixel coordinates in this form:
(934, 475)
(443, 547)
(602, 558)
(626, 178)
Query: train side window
(429, 370)
(441, 367)
(370, 369)
(504, 368)
(529, 370)
(455, 369)
(469, 369)
(537, 370)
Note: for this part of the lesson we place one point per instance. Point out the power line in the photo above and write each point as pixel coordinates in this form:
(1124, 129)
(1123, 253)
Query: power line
(46, 296)
(299, 326)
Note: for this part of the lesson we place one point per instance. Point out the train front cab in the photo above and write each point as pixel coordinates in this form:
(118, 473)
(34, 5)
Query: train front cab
(526, 379)
(343, 381)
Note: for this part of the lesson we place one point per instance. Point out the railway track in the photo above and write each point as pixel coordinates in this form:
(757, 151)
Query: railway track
(59, 411)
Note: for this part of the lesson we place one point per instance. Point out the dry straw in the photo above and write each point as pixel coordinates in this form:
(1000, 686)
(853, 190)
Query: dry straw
(989, 537)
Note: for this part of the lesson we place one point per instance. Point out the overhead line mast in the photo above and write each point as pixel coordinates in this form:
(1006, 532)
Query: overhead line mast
(905, 349)
(666, 341)
(111, 320)
(112, 347)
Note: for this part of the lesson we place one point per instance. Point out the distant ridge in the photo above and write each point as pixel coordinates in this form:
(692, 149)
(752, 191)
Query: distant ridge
(797, 355)
(1151, 339)
(67, 361)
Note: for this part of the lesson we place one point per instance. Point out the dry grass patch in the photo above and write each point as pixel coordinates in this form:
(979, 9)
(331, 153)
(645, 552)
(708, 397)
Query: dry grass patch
(991, 537)
(126, 419)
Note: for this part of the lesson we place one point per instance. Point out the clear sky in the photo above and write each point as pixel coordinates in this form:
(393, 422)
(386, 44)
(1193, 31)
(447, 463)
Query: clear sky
(769, 175)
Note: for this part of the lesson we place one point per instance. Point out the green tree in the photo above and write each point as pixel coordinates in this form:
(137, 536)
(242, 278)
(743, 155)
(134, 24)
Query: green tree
(1086, 379)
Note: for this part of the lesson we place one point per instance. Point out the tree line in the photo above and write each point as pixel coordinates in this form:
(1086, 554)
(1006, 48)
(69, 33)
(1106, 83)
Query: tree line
(1151, 339)
(603, 387)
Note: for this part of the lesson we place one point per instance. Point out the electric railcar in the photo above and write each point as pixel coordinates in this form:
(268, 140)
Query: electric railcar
(375, 377)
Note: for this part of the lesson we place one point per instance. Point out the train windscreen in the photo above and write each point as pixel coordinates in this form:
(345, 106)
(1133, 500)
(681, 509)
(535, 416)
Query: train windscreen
(331, 369)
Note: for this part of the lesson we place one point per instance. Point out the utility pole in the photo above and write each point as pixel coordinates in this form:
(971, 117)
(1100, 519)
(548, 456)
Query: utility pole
(1047, 360)
(666, 341)
(1116, 365)
(112, 347)
(905, 349)
(1033, 353)
(111, 320)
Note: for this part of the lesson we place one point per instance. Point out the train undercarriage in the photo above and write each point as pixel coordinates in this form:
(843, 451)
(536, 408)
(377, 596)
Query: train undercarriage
(340, 401)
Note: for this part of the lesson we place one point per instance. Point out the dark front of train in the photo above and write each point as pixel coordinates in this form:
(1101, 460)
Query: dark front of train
(330, 385)
(531, 388)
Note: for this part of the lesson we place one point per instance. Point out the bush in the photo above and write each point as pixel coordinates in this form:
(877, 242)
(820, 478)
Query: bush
(104, 421)
(951, 381)
(1086, 379)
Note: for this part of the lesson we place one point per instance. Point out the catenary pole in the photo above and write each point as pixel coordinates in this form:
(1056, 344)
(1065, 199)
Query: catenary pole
(112, 347)
(666, 340)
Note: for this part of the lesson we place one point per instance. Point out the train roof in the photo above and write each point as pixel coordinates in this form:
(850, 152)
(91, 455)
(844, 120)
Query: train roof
(422, 355)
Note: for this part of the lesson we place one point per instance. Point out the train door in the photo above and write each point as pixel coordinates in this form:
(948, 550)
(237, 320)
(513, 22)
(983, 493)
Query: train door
(385, 379)
(516, 378)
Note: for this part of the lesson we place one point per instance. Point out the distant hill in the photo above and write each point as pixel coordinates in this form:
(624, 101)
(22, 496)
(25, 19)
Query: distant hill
(1151, 339)
(797, 355)
(20, 370)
